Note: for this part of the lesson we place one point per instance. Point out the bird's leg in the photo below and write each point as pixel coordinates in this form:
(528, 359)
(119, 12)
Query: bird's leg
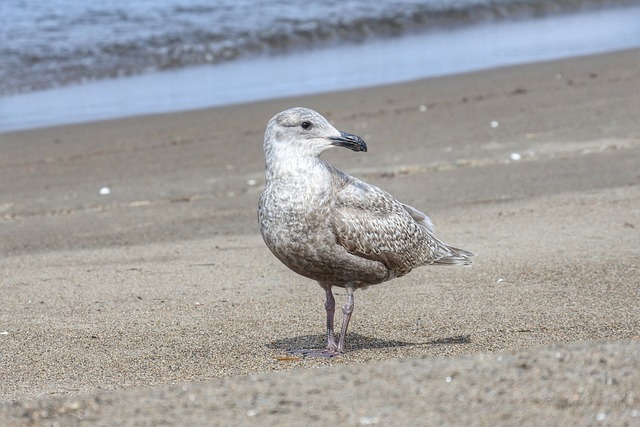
(347, 309)
(330, 306)
(332, 348)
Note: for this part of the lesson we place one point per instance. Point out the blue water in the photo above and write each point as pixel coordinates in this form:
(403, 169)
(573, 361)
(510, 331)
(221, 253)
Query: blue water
(173, 57)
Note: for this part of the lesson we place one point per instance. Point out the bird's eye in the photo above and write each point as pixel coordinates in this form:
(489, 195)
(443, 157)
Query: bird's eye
(306, 125)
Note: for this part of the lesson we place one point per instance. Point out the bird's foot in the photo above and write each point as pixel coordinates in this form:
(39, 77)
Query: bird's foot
(320, 352)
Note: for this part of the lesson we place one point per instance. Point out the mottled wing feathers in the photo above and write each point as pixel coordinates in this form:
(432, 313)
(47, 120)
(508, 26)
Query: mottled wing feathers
(420, 218)
(370, 223)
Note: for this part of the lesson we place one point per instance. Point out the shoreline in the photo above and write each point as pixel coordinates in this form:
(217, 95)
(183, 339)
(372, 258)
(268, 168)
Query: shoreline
(374, 63)
(145, 304)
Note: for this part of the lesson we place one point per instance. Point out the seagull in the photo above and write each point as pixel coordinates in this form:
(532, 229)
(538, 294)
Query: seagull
(333, 228)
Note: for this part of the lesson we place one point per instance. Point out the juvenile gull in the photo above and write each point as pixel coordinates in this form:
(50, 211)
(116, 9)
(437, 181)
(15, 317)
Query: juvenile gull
(333, 228)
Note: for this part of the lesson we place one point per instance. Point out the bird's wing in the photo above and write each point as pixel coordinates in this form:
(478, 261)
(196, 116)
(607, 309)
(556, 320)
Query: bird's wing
(419, 217)
(372, 224)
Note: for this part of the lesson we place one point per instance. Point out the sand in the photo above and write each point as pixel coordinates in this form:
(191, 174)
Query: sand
(159, 302)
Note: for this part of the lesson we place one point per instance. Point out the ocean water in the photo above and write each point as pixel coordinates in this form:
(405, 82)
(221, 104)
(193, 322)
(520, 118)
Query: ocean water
(65, 61)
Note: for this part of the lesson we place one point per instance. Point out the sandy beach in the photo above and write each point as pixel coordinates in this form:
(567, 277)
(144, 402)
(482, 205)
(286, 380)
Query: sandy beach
(158, 303)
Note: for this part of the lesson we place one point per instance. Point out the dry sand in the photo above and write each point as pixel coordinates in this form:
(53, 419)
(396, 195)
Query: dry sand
(159, 303)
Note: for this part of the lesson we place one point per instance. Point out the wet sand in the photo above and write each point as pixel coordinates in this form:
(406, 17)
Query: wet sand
(160, 303)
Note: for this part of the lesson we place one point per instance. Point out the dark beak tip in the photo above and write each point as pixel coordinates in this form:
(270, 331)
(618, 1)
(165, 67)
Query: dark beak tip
(350, 141)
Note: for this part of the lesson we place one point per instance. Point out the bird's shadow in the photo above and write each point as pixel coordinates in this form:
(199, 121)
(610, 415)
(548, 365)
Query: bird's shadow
(359, 342)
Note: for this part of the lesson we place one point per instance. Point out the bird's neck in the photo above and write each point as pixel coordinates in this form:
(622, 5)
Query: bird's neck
(294, 168)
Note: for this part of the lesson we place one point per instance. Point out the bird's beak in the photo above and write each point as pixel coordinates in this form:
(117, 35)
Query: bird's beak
(350, 141)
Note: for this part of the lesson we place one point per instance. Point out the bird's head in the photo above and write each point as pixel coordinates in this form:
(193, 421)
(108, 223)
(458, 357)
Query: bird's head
(306, 132)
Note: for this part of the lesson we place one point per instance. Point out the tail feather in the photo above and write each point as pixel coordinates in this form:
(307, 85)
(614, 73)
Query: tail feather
(455, 257)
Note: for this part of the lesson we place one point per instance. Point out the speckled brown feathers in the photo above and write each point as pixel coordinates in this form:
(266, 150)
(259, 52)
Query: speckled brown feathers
(330, 226)
(370, 223)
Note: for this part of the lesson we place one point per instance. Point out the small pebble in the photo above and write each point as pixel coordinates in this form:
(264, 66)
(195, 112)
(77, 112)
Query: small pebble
(515, 156)
(494, 124)
(105, 191)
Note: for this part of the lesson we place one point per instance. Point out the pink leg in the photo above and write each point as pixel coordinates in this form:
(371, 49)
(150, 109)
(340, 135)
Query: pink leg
(332, 348)
(330, 306)
(347, 309)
